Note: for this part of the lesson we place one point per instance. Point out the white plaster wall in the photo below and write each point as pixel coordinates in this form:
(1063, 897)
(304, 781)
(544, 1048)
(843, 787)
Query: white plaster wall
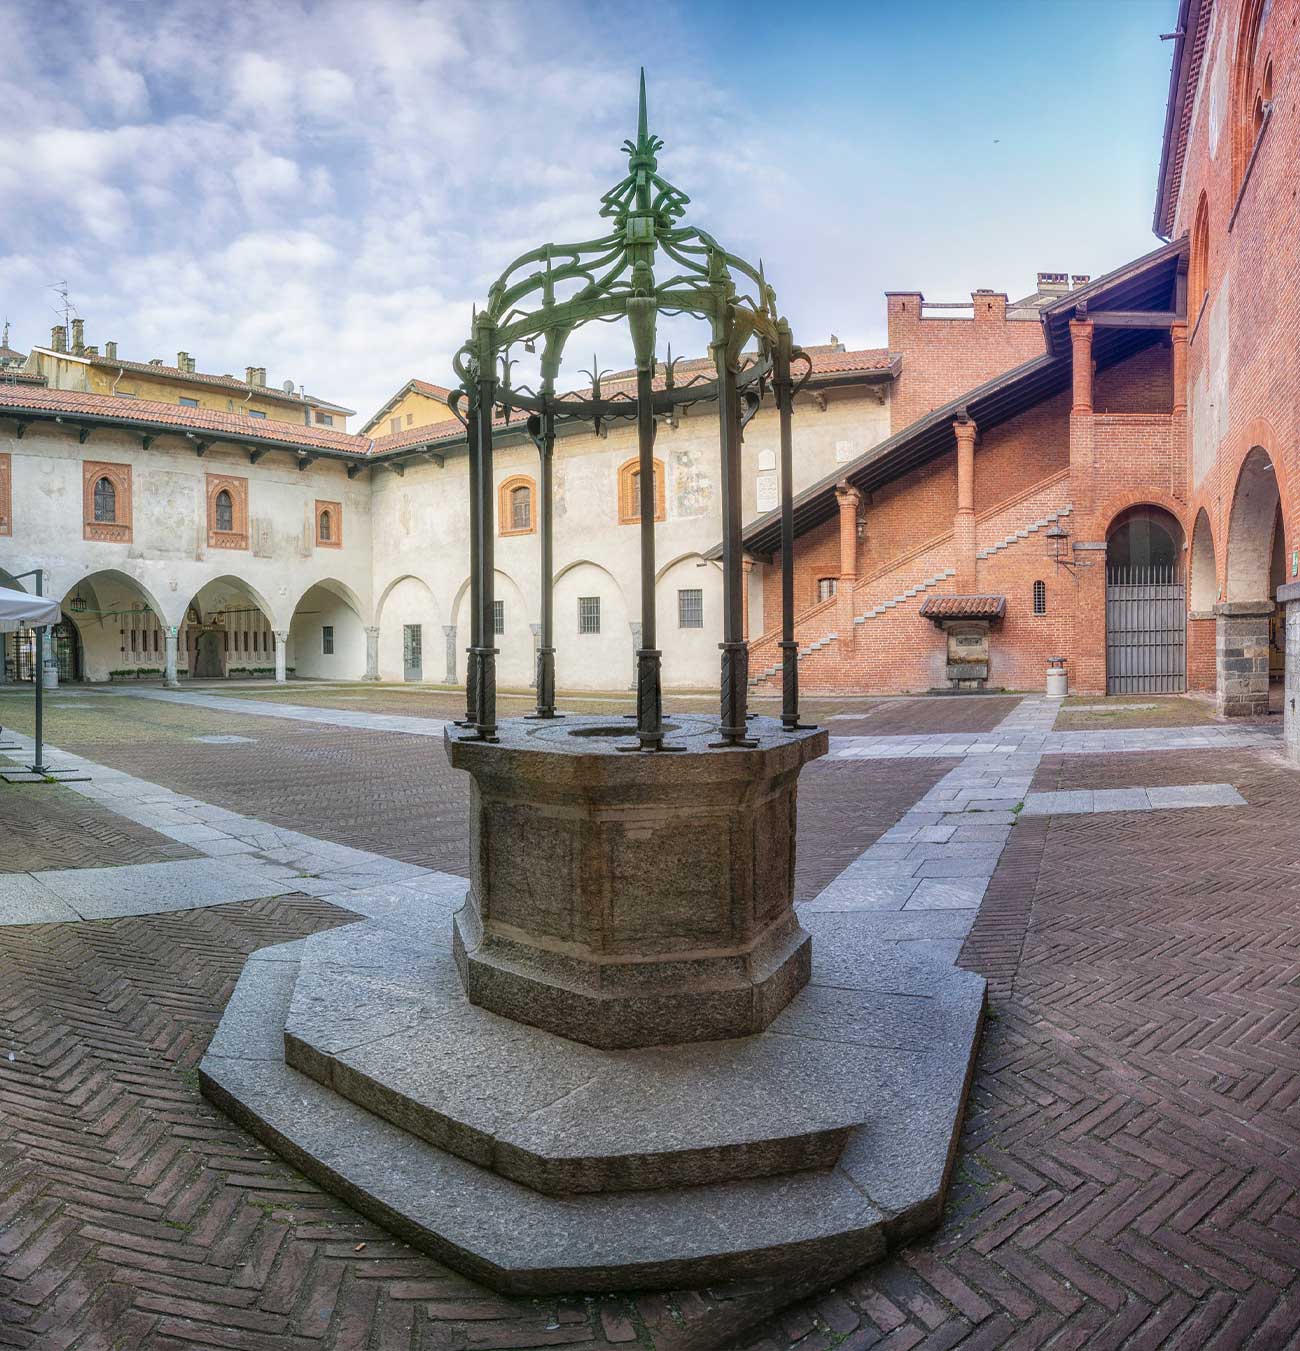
(411, 601)
(318, 608)
(168, 557)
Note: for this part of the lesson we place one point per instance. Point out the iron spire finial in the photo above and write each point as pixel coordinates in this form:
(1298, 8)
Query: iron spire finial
(642, 119)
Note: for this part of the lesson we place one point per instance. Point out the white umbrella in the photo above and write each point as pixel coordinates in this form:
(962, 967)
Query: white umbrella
(21, 610)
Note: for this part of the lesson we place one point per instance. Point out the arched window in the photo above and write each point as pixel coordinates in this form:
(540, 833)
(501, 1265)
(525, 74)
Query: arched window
(225, 511)
(629, 491)
(1198, 270)
(1252, 86)
(105, 500)
(329, 524)
(1040, 598)
(325, 528)
(515, 506)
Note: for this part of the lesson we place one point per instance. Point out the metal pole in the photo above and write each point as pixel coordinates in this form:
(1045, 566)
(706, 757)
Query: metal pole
(38, 765)
(542, 431)
(471, 652)
(735, 651)
(485, 723)
(649, 690)
(784, 384)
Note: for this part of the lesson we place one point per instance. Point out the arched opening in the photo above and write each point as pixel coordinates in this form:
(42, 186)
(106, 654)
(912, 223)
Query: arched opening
(226, 632)
(688, 607)
(594, 640)
(1205, 577)
(1252, 86)
(1146, 609)
(225, 511)
(1249, 625)
(512, 635)
(327, 640)
(412, 644)
(1198, 270)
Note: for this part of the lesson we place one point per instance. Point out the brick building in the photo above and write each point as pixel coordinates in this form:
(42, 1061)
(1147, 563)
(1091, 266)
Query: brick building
(1104, 471)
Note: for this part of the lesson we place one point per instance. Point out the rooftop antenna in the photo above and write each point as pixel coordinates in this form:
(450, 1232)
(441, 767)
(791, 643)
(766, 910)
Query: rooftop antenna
(67, 309)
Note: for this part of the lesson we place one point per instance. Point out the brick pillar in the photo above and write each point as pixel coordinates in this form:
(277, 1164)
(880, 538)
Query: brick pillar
(1081, 355)
(1241, 657)
(849, 499)
(1178, 344)
(963, 524)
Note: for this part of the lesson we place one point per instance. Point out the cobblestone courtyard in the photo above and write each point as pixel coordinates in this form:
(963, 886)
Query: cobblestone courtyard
(1129, 1173)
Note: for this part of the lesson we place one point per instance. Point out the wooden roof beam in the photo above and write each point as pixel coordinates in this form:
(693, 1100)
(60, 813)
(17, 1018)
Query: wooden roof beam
(1134, 318)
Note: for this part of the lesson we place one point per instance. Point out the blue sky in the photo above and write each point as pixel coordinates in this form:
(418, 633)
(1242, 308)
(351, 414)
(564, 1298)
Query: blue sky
(324, 188)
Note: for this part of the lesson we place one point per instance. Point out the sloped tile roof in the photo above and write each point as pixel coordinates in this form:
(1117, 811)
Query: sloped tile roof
(964, 607)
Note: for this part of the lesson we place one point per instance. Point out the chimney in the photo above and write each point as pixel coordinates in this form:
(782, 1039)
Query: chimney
(182, 361)
(110, 350)
(261, 375)
(1080, 279)
(1053, 283)
(250, 375)
(59, 338)
(92, 351)
(989, 306)
(78, 337)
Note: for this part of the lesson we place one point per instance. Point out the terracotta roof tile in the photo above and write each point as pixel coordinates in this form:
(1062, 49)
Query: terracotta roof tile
(964, 607)
(230, 426)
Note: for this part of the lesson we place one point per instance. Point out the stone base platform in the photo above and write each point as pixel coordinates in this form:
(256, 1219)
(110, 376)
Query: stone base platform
(486, 1156)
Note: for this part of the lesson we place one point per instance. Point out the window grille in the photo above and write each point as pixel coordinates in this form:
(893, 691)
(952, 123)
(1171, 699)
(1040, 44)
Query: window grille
(225, 511)
(327, 639)
(1040, 598)
(498, 616)
(690, 608)
(588, 614)
(105, 501)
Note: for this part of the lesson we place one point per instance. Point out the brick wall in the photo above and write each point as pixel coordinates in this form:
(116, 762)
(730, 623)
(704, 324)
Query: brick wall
(942, 357)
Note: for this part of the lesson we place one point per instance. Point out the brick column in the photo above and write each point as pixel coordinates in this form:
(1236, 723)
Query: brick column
(1178, 344)
(963, 523)
(1241, 657)
(849, 499)
(1081, 357)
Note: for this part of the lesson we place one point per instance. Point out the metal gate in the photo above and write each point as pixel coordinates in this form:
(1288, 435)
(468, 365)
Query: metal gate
(1146, 630)
(412, 652)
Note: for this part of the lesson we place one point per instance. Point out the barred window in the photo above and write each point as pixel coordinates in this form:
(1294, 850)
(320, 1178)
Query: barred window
(327, 639)
(588, 614)
(690, 608)
(225, 514)
(498, 616)
(1040, 598)
(827, 587)
(105, 501)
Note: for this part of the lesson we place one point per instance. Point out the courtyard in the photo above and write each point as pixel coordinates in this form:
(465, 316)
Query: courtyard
(1121, 876)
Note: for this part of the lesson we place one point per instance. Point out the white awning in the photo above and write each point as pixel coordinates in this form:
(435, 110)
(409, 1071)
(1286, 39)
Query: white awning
(19, 610)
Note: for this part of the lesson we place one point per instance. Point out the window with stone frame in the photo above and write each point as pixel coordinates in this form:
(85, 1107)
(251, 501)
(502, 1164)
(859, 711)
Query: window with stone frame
(329, 525)
(106, 502)
(515, 500)
(227, 511)
(629, 491)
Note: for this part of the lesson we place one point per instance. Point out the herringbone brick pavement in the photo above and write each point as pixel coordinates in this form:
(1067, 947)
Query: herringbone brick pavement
(58, 828)
(1130, 1167)
(926, 716)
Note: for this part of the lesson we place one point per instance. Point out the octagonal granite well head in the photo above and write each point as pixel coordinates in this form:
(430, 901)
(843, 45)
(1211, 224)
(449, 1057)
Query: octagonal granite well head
(633, 899)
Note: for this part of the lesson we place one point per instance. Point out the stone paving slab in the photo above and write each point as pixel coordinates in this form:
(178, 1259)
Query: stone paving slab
(331, 717)
(1084, 801)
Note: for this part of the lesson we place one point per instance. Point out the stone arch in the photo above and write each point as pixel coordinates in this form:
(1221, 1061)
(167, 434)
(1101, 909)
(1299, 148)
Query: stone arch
(1146, 604)
(227, 627)
(1256, 500)
(119, 626)
(602, 660)
(408, 602)
(1252, 85)
(515, 647)
(1203, 580)
(327, 637)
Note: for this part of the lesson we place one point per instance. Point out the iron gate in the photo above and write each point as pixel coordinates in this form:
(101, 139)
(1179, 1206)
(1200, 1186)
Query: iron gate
(1146, 630)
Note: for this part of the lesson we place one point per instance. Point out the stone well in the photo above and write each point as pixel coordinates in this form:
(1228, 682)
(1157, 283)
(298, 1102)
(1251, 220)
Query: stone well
(633, 900)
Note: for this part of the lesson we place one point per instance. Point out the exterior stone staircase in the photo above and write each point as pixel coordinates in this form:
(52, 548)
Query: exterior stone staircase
(884, 607)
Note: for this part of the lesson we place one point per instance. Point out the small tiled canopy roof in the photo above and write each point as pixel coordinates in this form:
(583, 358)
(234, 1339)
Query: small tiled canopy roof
(964, 607)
